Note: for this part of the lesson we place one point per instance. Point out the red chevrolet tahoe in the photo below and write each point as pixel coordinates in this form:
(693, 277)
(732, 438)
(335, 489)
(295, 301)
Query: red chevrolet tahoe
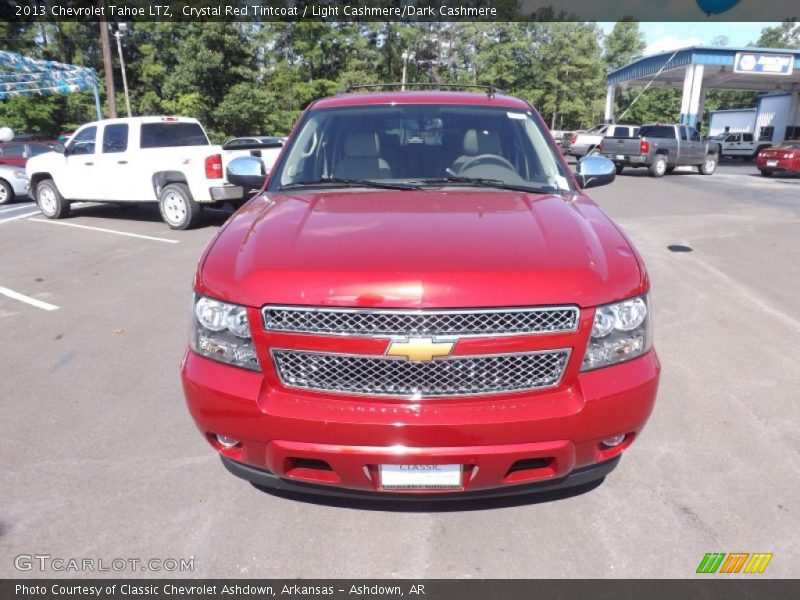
(421, 301)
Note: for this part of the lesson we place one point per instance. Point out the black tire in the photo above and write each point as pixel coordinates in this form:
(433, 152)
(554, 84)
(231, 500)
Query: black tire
(709, 165)
(178, 208)
(6, 192)
(670, 170)
(50, 201)
(619, 169)
(766, 173)
(659, 166)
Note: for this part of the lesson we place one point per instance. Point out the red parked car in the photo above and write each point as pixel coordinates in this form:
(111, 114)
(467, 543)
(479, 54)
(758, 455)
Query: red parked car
(783, 158)
(421, 302)
(18, 153)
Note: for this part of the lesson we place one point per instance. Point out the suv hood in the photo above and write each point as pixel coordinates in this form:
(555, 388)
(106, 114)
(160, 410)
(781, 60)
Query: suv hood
(420, 249)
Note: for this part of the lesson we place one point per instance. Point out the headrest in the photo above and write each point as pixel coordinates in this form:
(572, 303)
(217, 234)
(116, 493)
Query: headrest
(481, 142)
(361, 145)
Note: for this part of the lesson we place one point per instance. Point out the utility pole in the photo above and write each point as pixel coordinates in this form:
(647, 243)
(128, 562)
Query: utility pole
(112, 104)
(406, 56)
(118, 35)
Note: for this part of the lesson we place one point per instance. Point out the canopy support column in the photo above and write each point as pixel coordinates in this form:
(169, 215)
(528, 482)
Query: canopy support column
(610, 96)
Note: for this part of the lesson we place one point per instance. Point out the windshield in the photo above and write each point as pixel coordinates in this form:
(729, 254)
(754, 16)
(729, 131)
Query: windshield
(411, 146)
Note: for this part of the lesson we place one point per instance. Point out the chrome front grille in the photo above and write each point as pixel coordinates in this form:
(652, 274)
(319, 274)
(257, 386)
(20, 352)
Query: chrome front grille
(451, 376)
(445, 323)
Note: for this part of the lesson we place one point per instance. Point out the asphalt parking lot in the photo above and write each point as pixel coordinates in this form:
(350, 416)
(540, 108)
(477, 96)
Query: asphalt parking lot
(100, 458)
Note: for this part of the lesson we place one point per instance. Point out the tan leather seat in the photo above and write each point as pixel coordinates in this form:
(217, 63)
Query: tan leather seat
(362, 159)
(477, 143)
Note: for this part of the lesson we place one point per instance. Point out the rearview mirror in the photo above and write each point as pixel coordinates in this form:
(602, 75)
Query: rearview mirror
(593, 171)
(246, 171)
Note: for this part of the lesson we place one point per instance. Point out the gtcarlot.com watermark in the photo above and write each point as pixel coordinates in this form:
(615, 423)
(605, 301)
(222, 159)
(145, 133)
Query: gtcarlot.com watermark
(58, 564)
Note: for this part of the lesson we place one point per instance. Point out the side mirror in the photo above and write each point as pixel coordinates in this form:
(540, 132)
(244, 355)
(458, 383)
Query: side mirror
(60, 148)
(594, 171)
(246, 171)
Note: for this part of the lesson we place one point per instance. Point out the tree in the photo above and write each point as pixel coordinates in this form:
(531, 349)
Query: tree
(785, 35)
(624, 44)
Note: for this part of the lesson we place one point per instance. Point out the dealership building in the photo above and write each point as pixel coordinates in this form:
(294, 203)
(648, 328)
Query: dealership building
(774, 73)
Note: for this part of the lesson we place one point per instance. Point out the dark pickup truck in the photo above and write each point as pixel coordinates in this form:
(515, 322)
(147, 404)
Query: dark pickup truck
(661, 148)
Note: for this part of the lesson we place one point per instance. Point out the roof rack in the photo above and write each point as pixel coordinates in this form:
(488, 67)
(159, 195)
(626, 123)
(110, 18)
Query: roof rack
(490, 89)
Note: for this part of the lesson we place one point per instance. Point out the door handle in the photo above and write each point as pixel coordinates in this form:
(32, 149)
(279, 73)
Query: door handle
(88, 164)
(122, 162)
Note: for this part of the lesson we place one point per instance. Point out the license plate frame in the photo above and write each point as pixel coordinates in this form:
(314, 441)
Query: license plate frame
(408, 477)
(620, 157)
(772, 163)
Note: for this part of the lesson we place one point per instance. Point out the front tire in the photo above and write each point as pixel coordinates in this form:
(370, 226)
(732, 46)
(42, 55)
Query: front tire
(178, 208)
(659, 166)
(6, 192)
(709, 165)
(50, 201)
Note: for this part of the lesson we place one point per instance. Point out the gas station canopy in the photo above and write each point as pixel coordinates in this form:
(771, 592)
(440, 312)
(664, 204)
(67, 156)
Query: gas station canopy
(699, 68)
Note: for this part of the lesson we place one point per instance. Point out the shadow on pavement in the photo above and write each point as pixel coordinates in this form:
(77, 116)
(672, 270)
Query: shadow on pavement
(211, 217)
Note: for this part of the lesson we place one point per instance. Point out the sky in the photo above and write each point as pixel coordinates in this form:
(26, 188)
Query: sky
(663, 37)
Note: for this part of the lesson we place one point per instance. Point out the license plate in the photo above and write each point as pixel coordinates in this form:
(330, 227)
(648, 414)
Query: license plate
(620, 157)
(420, 477)
(772, 163)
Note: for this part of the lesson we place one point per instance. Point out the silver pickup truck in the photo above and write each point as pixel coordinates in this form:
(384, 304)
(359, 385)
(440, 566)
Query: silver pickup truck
(661, 148)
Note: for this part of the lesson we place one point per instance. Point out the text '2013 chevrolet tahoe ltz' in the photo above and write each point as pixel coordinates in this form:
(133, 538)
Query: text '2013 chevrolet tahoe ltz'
(421, 302)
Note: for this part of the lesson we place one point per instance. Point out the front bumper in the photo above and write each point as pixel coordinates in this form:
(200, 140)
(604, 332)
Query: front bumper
(291, 436)
(265, 479)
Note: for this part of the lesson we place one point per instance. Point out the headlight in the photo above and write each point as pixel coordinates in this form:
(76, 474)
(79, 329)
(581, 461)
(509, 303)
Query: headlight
(221, 331)
(19, 175)
(620, 332)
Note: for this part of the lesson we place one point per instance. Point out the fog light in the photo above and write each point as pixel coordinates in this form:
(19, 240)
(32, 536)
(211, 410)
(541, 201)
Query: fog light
(614, 441)
(227, 441)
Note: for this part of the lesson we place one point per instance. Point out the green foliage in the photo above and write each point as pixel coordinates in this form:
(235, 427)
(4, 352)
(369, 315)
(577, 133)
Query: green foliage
(624, 44)
(256, 78)
(785, 35)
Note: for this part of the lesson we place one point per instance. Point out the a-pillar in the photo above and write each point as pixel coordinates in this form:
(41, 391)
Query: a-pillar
(693, 95)
(610, 95)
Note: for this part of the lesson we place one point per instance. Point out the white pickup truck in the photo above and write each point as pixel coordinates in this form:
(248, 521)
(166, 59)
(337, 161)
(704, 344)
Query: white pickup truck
(585, 143)
(738, 144)
(168, 160)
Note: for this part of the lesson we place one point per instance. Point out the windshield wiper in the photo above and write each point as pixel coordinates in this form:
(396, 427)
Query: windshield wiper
(492, 183)
(384, 185)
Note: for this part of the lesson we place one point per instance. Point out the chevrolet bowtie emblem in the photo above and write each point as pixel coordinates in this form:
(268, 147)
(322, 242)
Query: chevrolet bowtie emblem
(420, 349)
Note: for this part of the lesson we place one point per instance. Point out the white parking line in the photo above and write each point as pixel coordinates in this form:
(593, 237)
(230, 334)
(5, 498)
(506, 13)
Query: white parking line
(13, 208)
(26, 299)
(104, 230)
(15, 217)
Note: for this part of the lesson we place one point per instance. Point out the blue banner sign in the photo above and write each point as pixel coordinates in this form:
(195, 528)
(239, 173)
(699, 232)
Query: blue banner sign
(763, 63)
